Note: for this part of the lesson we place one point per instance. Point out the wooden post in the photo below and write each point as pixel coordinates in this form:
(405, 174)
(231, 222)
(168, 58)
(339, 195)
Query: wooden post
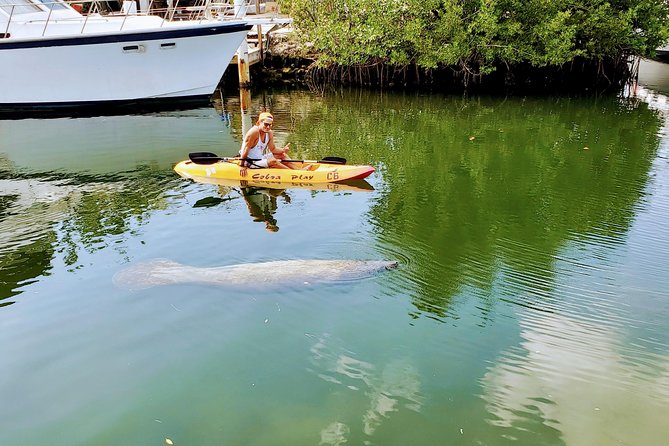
(242, 51)
(243, 65)
(245, 102)
(259, 29)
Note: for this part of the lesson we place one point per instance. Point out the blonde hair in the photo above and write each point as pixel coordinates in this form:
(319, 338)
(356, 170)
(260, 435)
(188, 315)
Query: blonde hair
(263, 116)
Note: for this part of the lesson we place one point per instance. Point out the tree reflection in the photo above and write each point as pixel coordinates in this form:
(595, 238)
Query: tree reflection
(22, 266)
(45, 214)
(469, 185)
(473, 184)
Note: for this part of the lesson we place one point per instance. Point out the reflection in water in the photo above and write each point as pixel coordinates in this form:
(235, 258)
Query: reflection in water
(464, 175)
(68, 185)
(95, 110)
(30, 213)
(399, 382)
(536, 228)
(29, 208)
(593, 362)
(335, 434)
(654, 75)
(261, 197)
(397, 385)
(262, 204)
(578, 382)
(39, 217)
(112, 146)
(23, 267)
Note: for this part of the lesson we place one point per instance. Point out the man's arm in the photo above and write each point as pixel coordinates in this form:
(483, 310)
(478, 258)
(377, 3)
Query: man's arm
(277, 152)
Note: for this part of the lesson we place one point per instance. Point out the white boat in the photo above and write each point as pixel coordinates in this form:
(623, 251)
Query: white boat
(52, 56)
(662, 53)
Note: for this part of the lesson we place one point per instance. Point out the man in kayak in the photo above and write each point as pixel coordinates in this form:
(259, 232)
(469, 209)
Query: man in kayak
(259, 145)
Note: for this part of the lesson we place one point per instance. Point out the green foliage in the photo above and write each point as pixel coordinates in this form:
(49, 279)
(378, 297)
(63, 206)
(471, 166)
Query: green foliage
(477, 35)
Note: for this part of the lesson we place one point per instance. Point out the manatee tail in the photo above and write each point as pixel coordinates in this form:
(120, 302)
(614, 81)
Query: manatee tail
(146, 274)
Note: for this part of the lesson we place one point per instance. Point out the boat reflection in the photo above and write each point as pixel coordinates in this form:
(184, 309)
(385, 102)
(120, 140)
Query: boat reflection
(94, 109)
(654, 75)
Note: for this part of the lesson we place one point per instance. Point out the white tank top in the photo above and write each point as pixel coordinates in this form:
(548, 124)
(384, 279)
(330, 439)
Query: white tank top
(260, 149)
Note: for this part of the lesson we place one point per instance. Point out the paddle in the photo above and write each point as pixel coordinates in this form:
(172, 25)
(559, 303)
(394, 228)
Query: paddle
(211, 158)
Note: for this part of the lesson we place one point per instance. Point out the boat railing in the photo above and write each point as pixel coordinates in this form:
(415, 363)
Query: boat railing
(85, 13)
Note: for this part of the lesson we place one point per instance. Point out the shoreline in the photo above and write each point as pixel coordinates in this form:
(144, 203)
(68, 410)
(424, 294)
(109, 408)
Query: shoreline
(288, 63)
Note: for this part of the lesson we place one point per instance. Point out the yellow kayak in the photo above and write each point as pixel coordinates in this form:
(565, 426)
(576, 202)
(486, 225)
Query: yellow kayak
(305, 172)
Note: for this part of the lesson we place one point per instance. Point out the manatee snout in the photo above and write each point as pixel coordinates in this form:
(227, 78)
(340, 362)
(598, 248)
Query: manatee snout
(392, 264)
(382, 265)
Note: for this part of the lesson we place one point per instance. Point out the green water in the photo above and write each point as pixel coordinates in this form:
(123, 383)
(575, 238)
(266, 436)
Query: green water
(530, 306)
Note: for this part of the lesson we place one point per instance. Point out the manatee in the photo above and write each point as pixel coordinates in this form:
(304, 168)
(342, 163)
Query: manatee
(264, 275)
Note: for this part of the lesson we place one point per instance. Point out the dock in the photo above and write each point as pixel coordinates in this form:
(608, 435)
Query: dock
(253, 49)
(263, 14)
(258, 47)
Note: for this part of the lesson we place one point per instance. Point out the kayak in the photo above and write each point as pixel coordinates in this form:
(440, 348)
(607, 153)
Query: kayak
(306, 172)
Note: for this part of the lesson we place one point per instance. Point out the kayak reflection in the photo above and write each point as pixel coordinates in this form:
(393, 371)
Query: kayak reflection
(261, 197)
(262, 204)
(343, 186)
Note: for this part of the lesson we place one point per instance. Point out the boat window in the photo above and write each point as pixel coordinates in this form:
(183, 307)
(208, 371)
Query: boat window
(53, 4)
(19, 6)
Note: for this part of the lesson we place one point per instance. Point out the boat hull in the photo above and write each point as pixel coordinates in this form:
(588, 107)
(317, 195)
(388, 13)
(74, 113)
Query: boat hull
(153, 64)
(104, 108)
(318, 173)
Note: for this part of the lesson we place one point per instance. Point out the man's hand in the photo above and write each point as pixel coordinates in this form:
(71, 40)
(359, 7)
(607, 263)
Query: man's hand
(281, 153)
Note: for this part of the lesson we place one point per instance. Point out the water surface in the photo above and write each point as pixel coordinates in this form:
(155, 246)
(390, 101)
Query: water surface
(529, 307)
